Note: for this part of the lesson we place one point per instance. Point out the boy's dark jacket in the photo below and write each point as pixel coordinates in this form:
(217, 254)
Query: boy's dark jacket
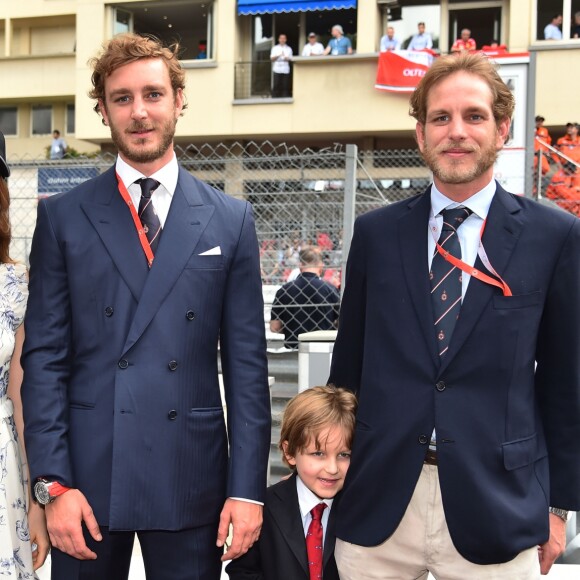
(280, 553)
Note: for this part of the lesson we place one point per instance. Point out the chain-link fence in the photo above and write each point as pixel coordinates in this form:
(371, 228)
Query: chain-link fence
(301, 198)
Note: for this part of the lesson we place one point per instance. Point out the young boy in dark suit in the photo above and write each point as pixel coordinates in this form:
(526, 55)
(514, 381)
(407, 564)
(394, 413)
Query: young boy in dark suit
(297, 539)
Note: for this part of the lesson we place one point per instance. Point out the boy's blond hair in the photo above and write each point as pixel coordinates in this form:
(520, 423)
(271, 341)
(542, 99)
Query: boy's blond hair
(311, 412)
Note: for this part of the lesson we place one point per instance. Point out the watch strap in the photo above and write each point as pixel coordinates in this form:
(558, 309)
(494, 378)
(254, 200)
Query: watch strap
(561, 513)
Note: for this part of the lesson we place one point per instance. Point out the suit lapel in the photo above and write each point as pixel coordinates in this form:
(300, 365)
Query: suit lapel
(413, 248)
(186, 221)
(502, 231)
(112, 220)
(289, 520)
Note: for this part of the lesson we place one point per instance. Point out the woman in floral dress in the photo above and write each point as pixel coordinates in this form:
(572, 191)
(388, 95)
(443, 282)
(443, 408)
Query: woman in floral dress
(22, 526)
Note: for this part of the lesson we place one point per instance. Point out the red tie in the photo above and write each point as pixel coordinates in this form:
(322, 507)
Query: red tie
(314, 542)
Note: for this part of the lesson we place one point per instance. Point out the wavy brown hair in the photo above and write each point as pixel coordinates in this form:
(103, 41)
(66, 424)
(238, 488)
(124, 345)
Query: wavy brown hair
(127, 48)
(475, 64)
(312, 411)
(5, 232)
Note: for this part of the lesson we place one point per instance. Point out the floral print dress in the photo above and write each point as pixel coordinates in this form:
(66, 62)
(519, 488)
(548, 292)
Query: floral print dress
(15, 551)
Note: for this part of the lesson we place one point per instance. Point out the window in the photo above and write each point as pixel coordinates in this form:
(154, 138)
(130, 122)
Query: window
(406, 17)
(568, 23)
(188, 22)
(70, 119)
(41, 120)
(9, 120)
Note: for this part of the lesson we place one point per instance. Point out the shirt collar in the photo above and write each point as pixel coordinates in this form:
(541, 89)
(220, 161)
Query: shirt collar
(478, 203)
(307, 499)
(167, 175)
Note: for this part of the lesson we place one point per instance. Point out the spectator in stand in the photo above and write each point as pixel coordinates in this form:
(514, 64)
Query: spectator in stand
(569, 144)
(421, 40)
(313, 47)
(269, 261)
(575, 32)
(553, 30)
(389, 42)
(57, 146)
(202, 50)
(543, 134)
(281, 55)
(307, 303)
(564, 188)
(465, 43)
(339, 43)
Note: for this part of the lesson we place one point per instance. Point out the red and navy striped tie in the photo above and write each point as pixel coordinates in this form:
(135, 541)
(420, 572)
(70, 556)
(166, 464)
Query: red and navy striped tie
(446, 278)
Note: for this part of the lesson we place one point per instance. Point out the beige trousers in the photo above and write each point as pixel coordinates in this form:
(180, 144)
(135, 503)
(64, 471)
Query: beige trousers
(422, 544)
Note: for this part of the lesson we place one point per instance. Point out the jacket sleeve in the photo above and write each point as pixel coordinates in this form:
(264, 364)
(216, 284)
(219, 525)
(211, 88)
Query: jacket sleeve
(46, 356)
(245, 369)
(347, 356)
(248, 566)
(558, 374)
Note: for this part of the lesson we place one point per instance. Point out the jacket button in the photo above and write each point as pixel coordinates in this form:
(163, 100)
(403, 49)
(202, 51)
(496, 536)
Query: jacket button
(440, 386)
(423, 439)
(190, 315)
(172, 415)
(172, 365)
(109, 311)
(123, 363)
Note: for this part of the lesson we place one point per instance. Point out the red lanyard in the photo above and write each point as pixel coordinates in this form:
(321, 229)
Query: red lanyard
(138, 225)
(471, 270)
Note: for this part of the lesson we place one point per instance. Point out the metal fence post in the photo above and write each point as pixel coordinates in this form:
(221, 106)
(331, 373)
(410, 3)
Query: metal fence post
(351, 159)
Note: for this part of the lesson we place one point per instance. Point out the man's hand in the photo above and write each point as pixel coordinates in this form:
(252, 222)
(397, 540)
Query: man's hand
(246, 519)
(555, 546)
(64, 517)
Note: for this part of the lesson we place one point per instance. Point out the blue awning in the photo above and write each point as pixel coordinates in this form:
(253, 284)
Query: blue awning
(277, 6)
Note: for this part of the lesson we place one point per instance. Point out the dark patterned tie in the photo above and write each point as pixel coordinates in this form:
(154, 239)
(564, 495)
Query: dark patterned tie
(147, 213)
(446, 278)
(314, 542)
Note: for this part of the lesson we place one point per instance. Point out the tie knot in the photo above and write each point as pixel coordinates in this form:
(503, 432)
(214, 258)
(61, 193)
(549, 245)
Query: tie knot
(148, 186)
(316, 511)
(453, 218)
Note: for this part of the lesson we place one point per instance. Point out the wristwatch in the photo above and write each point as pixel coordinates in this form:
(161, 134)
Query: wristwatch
(563, 514)
(46, 491)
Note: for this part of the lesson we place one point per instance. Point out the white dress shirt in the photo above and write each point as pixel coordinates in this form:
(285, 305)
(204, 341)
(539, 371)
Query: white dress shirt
(469, 231)
(420, 42)
(162, 196)
(307, 501)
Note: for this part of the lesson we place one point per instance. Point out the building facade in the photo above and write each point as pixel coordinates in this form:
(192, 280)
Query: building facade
(45, 46)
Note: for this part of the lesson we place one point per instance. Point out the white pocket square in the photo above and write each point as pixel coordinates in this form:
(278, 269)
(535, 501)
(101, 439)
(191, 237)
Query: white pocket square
(217, 251)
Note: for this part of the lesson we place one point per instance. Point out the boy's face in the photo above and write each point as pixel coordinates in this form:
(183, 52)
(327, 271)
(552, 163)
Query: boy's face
(323, 470)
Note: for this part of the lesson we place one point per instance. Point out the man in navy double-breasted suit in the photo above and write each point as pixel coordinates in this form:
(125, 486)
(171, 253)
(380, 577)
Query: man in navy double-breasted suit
(466, 454)
(124, 422)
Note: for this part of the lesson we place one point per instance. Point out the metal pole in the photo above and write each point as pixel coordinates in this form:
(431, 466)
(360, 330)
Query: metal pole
(530, 122)
(349, 205)
(539, 191)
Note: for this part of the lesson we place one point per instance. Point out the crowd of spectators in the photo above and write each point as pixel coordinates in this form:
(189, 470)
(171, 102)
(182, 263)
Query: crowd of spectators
(560, 169)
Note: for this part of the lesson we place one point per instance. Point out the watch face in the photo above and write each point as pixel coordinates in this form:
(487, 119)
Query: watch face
(42, 493)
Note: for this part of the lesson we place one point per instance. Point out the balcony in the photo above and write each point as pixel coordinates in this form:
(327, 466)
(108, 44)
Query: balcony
(254, 82)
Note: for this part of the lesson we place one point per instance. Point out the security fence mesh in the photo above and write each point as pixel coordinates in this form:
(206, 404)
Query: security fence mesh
(301, 198)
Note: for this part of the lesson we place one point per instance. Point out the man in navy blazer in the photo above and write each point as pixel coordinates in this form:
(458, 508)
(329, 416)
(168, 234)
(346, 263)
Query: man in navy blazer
(125, 427)
(465, 455)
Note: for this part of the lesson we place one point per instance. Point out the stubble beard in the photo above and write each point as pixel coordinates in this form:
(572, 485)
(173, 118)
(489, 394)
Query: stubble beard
(458, 171)
(137, 152)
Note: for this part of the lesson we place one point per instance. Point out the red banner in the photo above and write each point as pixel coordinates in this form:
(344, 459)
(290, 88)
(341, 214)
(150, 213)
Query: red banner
(401, 70)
